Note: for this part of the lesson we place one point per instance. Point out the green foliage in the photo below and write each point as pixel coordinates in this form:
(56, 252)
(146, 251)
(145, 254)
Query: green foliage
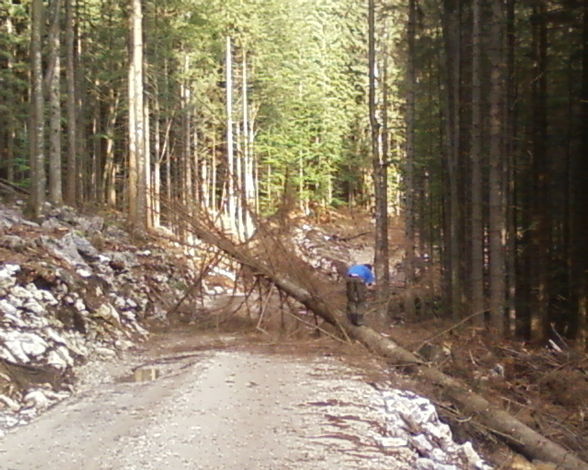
(306, 62)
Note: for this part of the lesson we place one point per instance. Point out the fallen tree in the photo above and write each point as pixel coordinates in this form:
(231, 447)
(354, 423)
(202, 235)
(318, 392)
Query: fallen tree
(514, 432)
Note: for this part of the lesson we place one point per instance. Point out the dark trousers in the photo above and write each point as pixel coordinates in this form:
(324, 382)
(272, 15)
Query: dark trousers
(356, 300)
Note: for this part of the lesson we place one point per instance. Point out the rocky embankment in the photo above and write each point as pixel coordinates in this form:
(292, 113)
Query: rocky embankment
(73, 289)
(76, 289)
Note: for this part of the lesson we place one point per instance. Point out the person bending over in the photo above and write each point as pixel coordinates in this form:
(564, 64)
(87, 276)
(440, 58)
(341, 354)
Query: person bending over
(359, 278)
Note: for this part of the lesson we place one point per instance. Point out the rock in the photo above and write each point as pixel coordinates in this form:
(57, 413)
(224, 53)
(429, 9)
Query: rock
(415, 419)
(60, 358)
(7, 308)
(9, 403)
(428, 464)
(107, 312)
(392, 442)
(13, 243)
(84, 247)
(23, 345)
(36, 399)
(422, 444)
(64, 249)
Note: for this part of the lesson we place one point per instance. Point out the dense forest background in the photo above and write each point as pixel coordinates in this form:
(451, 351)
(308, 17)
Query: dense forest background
(468, 118)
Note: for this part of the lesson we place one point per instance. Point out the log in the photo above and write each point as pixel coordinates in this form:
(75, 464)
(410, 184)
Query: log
(515, 433)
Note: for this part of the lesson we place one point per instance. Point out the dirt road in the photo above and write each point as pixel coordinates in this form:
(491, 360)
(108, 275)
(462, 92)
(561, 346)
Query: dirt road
(216, 409)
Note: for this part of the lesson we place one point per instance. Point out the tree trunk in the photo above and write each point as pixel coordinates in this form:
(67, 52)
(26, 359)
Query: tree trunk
(230, 197)
(186, 167)
(10, 134)
(540, 205)
(380, 170)
(137, 177)
(37, 129)
(72, 147)
(510, 173)
(409, 209)
(55, 194)
(109, 172)
(452, 57)
(247, 197)
(148, 216)
(477, 224)
(156, 190)
(496, 202)
(579, 217)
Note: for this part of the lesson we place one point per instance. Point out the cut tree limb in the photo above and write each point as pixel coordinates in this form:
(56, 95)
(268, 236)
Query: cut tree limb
(517, 434)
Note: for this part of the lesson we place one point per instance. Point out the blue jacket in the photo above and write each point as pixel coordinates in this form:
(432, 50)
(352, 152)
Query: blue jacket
(363, 272)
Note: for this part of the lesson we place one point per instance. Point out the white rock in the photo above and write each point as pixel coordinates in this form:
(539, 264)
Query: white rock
(11, 268)
(119, 302)
(20, 292)
(6, 354)
(440, 455)
(76, 343)
(107, 312)
(472, 456)
(34, 292)
(34, 320)
(422, 444)
(54, 336)
(442, 433)
(7, 308)
(33, 345)
(124, 344)
(13, 320)
(105, 353)
(414, 418)
(48, 297)
(427, 464)
(79, 305)
(11, 404)
(14, 347)
(9, 420)
(7, 281)
(60, 358)
(391, 442)
(36, 399)
(129, 316)
(32, 305)
(83, 272)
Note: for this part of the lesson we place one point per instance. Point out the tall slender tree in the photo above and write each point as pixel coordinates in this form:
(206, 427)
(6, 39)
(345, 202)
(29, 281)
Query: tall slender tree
(497, 215)
(231, 195)
(71, 178)
(137, 177)
(37, 135)
(409, 208)
(381, 261)
(477, 231)
(452, 240)
(54, 85)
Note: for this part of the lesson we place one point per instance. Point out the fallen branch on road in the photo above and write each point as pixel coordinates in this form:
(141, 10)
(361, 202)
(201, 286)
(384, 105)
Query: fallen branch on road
(517, 434)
